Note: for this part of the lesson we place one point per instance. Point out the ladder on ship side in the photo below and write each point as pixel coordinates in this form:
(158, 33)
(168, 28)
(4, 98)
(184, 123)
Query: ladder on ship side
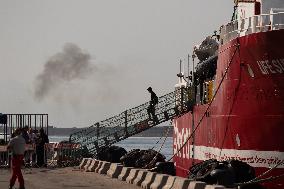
(133, 121)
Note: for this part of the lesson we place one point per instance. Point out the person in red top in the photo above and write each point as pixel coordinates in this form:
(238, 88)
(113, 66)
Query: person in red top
(17, 146)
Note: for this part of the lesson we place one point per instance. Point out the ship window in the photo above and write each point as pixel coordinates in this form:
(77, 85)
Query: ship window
(257, 8)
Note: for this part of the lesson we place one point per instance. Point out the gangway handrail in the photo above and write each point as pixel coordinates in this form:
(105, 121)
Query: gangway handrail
(133, 121)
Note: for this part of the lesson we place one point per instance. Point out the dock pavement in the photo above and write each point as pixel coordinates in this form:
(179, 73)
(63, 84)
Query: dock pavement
(63, 178)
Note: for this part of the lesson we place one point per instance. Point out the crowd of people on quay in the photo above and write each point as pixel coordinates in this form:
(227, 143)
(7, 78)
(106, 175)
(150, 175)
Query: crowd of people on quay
(33, 156)
(36, 140)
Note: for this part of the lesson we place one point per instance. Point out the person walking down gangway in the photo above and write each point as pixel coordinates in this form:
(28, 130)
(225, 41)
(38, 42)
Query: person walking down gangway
(152, 107)
(17, 147)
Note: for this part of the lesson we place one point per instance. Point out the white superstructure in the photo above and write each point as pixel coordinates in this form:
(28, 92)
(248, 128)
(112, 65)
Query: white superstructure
(253, 16)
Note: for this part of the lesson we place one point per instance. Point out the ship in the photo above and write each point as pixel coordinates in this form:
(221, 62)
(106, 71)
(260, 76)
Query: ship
(237, 85)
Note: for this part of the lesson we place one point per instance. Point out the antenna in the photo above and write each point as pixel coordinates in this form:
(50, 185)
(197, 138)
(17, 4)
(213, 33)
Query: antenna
(180, 75)
(180, 62)
(193, 57)
(183, 70)
(188, 57)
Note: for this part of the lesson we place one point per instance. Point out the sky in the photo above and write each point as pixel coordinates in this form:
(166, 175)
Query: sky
(82, 61)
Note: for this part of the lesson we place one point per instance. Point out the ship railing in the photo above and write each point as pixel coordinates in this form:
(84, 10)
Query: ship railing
(254, 24)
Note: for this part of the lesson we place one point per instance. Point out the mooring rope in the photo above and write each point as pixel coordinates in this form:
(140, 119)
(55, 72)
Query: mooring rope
(258, 180)
(165, 133)
(162, 145)
(268, 179)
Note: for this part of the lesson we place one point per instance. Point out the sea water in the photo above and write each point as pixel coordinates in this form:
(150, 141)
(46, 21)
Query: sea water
(142, 143)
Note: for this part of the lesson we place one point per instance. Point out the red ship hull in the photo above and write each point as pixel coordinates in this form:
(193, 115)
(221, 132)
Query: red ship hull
(246, 118)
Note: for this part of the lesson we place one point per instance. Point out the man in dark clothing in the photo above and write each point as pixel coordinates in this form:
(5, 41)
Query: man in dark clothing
(42, 140)
(153, 102)
(25, 134)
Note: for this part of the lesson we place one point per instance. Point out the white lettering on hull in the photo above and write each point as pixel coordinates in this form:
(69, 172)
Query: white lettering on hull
(179, 140)
(254, 158)
(275, 66)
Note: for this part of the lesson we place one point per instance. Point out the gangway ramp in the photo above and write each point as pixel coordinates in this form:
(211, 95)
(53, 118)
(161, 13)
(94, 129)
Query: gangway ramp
(133, 121)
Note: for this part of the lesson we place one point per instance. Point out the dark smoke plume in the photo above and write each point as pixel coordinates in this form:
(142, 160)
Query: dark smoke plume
(70, 64)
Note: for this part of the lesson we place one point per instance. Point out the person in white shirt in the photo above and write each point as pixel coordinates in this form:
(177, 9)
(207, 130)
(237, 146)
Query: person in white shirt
(17, 147)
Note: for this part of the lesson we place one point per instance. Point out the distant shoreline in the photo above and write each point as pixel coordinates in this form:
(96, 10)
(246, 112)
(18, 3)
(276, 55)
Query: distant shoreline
(153, 132)
(67, 136)
(65, 132)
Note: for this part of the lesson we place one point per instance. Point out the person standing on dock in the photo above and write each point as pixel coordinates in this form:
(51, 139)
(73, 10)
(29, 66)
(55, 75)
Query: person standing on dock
(153, 102)
(40, 151)
(25, 134)
(17, 146)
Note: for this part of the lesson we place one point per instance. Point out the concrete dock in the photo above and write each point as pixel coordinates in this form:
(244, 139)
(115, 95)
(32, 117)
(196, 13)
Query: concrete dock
(62, 178)
(92, 173)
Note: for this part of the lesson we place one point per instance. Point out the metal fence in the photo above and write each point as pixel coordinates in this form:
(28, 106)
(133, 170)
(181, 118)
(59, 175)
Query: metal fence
(14, 121)
(55, 155)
